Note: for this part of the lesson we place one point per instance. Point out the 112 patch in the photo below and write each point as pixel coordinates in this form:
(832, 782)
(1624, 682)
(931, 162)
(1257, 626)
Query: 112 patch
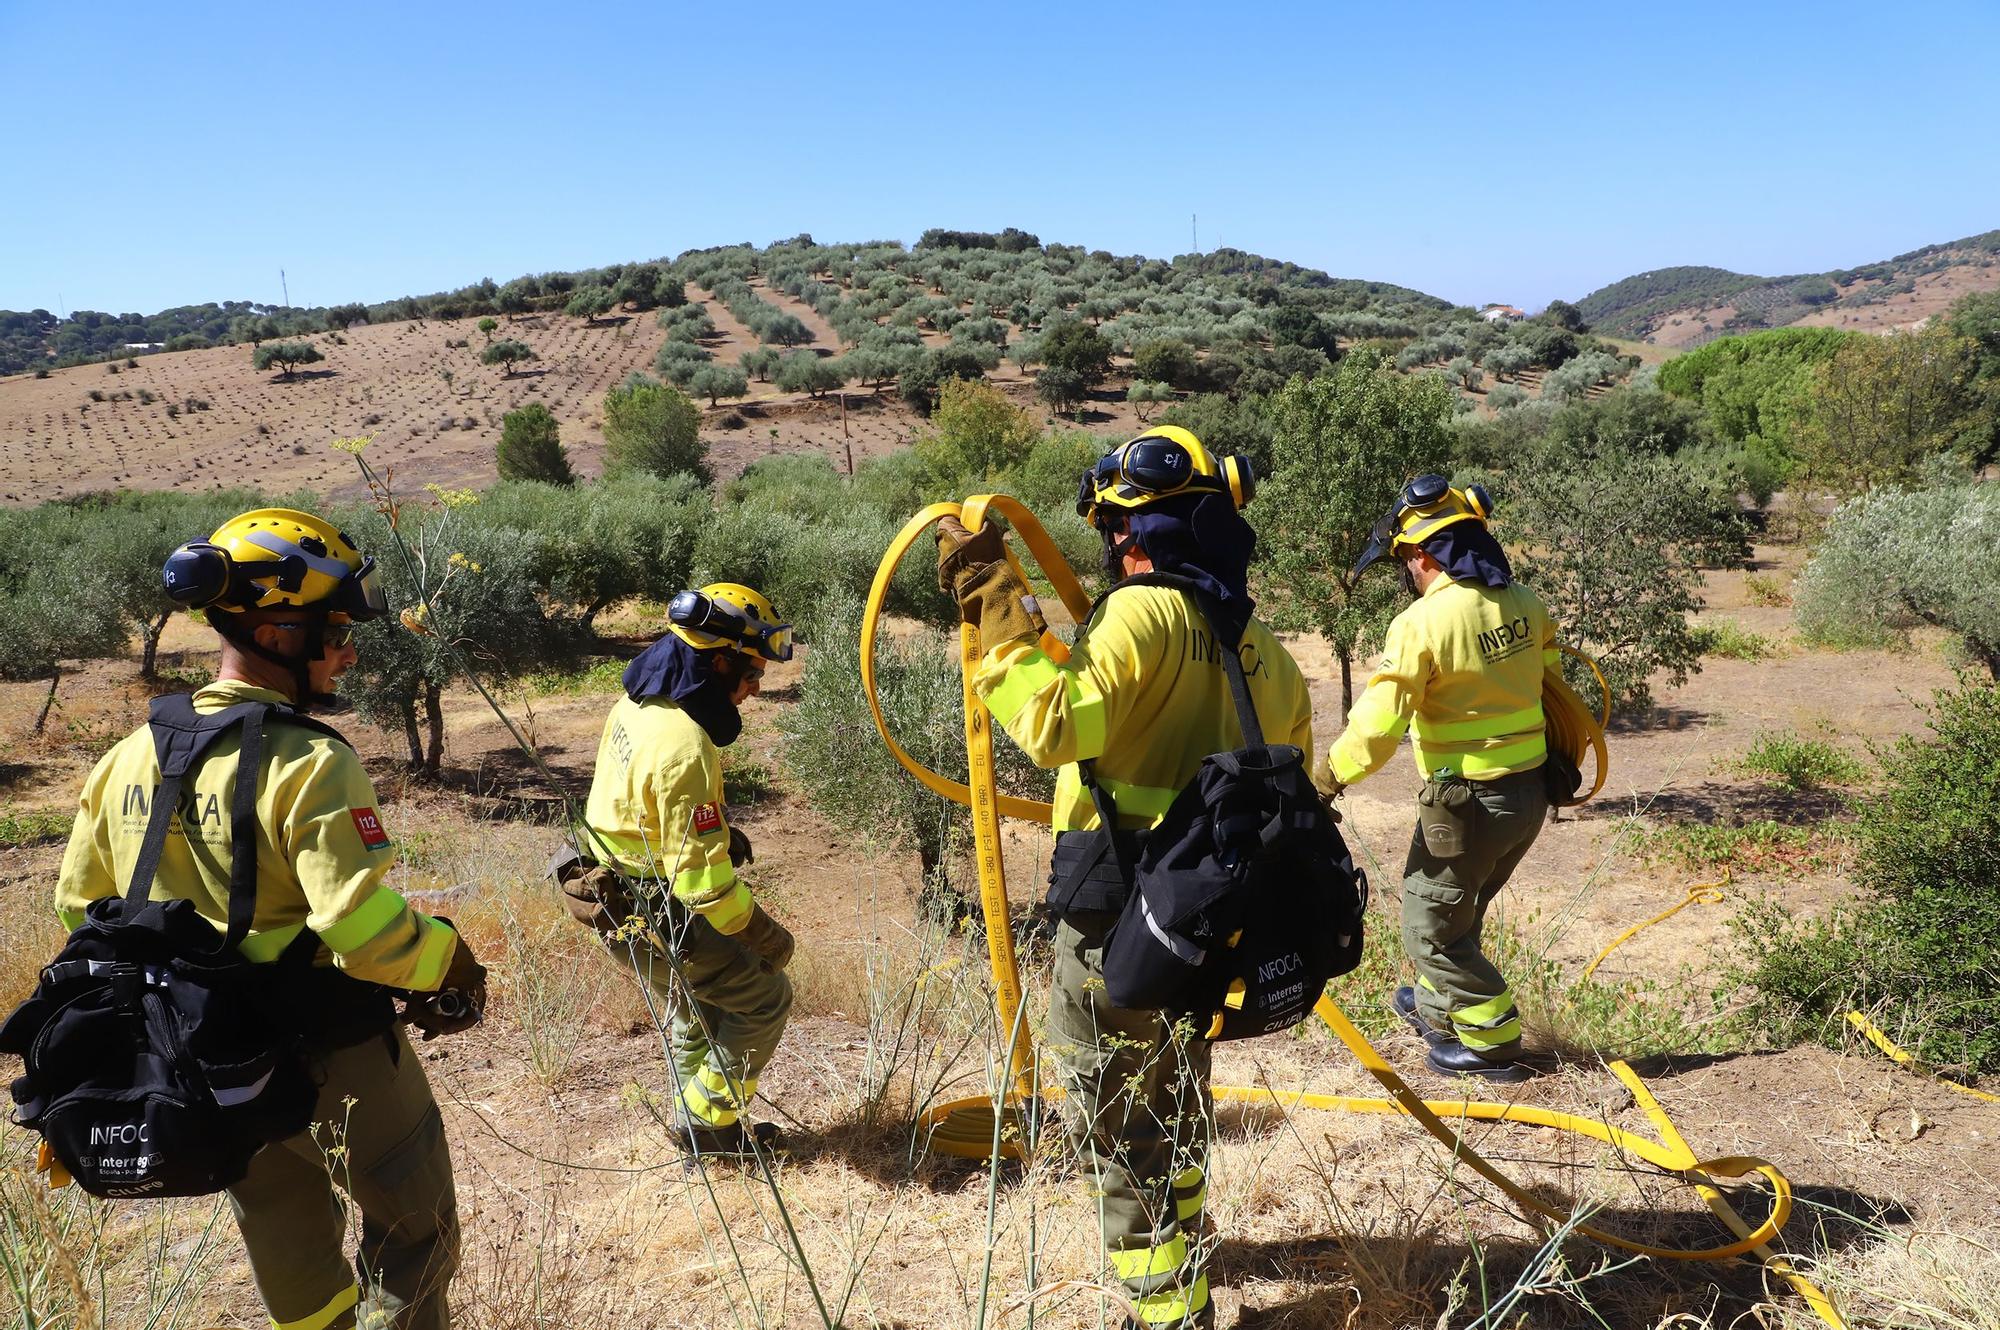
(707, 819)
(370, 827)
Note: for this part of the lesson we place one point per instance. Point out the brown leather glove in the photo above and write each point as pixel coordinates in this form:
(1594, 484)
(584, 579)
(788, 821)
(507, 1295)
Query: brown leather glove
(740, 852)
(962, 553)
(973, 568)
(596, 896)
(1329, 788)
(768, 938)
(459, 1002)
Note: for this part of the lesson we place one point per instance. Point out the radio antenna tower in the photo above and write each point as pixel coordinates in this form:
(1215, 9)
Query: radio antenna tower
(285, 287)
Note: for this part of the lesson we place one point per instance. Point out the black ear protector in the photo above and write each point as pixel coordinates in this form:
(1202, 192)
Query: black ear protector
(1241, 473)
(1428, 491)
(700, 613)
(199, 574)
(1160, 467)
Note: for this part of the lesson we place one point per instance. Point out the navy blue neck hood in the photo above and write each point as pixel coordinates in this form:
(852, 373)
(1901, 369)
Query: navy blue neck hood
(673, 670)
(1468, 551)
(1205, 540)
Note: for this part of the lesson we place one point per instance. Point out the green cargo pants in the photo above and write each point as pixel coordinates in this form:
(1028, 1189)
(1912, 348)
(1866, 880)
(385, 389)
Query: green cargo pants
(728, 1016)
(1138, 1111)
(1448, 881)
(376, 1136)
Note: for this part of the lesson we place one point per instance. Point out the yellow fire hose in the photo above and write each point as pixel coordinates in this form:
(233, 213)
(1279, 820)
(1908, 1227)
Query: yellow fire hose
(1701, 893)
(968, 1127)
(1905, 1059)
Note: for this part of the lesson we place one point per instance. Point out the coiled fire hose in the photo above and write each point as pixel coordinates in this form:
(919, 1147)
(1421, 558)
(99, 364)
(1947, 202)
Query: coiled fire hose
(1571, 724)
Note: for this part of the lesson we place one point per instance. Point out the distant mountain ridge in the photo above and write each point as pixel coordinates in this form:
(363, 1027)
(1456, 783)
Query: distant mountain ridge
(1691, 304)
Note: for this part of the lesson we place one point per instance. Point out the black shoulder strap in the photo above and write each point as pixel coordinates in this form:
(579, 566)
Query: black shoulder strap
(181, 737)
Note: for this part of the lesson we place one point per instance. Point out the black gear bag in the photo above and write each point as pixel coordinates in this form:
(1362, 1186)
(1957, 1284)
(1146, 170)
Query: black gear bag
(158, 1058)
(1245, 900)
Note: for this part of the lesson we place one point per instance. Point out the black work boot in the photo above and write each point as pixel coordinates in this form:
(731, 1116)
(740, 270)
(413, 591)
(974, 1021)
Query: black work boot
(737, 1140)
(1405, 1003)
(1449, 1055)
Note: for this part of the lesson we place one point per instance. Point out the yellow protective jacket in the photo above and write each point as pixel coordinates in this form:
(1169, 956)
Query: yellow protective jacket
(1144, 693)
(656, 808)
(321, 850)
(1464, 663)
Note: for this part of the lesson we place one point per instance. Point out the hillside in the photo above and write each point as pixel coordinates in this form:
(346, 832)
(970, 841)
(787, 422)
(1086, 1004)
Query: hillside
(1686, 306)
(95, 414)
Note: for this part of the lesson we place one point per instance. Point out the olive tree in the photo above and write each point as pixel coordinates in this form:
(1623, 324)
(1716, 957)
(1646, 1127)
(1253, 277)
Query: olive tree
(507, 352)
(1894, 559)
(802, 371)
(477, 576)
(1145, 397)
(1343, 444)
(718, 381)
(1615, 543)
(589, 302)
(286, 355)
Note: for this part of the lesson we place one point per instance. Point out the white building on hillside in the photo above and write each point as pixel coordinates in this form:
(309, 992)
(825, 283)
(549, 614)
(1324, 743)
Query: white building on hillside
(1501, 314)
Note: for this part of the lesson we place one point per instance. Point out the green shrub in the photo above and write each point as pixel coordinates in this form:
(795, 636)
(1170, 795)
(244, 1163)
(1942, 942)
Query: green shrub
(1766, 591)
(1731, 641)
(976, 433)
(1920, 950)
(31, 826)
(1761, 846)
(653, 428)
(531, 447)
(1801, 764)
(1894, 559)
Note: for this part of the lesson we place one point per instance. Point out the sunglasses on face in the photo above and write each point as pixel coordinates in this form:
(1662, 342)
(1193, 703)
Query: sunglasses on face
(333, 636)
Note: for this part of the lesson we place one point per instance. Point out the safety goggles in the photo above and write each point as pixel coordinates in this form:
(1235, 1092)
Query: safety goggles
(700, 613)
(360, 595)
(1151, 466)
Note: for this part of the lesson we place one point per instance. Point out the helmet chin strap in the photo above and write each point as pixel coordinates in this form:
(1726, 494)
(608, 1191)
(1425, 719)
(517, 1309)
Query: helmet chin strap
(299, 666)
(1116, 547)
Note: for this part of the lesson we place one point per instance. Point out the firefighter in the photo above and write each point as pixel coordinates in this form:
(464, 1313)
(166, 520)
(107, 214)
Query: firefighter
(284, 590)
(1143, 699)
(654, 817)
(1462, 667)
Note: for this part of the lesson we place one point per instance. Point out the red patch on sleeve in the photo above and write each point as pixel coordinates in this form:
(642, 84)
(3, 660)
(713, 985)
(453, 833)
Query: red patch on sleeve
(707, 819)
(370, 827)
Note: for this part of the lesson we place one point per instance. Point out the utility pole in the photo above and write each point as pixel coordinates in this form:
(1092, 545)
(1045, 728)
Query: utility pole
(1194, 232)
(285, 287)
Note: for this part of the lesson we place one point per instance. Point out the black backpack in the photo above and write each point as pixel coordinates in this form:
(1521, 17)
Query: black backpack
(1245, 900)
(159, 1059)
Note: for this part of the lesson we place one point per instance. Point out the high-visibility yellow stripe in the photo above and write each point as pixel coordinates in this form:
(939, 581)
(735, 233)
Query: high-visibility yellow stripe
(1505, 1033)
(439, 943)
(1188, 1205)
(71, 919)
(325, 1316)
(1033, 672)
(1485, 1013)
(705, 1109)
(1551, 656)
(1524, 721)
(1138, 805)
(728, 913)
(1174, 1305)
(269, 944)
(1147, 1263)
(367, 919)
(703, 881)
(1487, 762)
(1025, 677)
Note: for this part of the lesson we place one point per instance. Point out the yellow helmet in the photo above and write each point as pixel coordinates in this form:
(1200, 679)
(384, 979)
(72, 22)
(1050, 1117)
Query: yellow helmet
(272, 558)
(1163, 462)
(1426, 506)
(729, 614)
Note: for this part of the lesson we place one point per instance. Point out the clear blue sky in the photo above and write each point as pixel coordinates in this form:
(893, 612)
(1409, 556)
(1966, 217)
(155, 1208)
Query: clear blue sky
(170, 153)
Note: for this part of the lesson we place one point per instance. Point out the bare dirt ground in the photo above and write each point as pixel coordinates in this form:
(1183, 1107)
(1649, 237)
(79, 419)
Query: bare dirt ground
(389, 380)
(573, 1202)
